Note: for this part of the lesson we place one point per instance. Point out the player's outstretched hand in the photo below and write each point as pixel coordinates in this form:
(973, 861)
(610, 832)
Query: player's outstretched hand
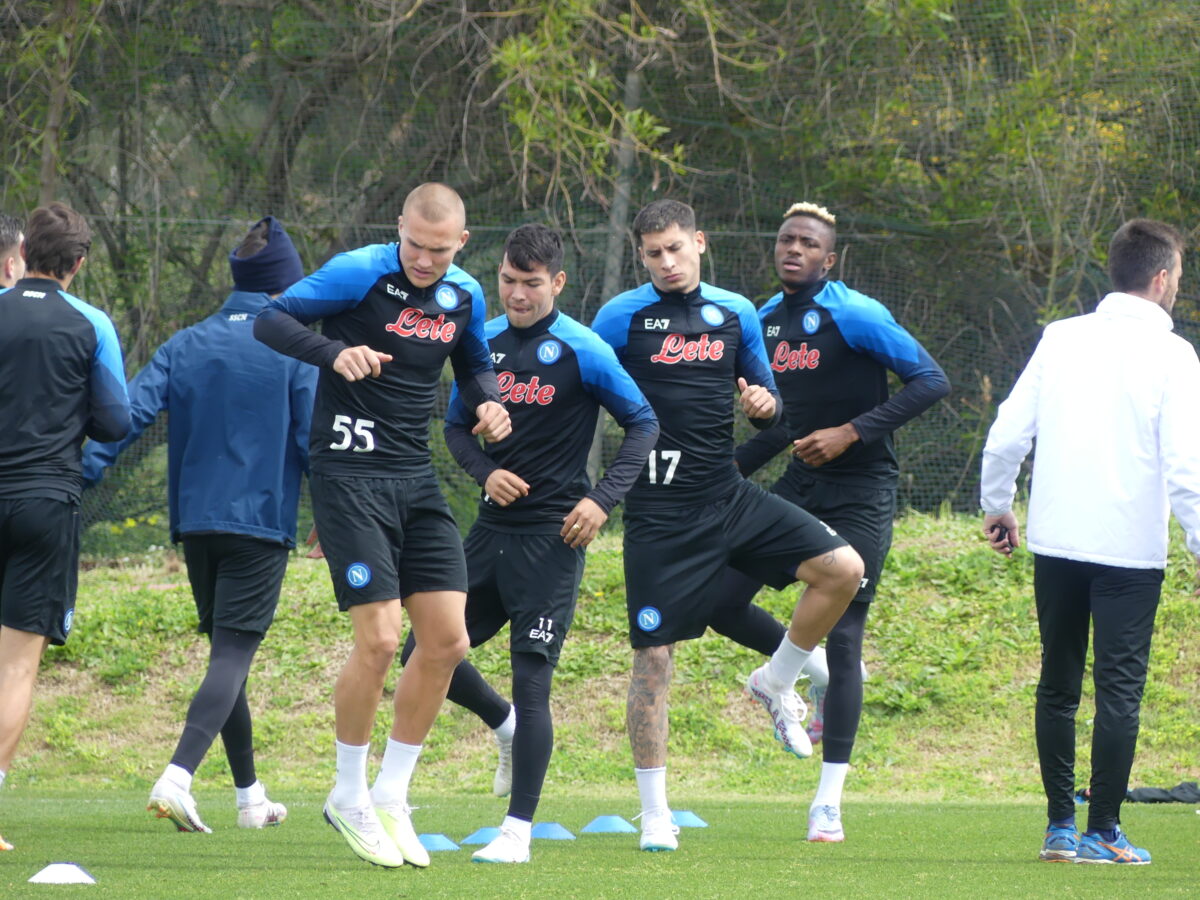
(357, 363)
(313, 541)
(757, 401)
(504, 487)
(493, 423)
(825, 444)
(583, 523)
(1002, 532)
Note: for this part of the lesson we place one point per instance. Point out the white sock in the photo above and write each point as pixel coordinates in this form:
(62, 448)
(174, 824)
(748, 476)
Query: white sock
(2, 774)
(506, 730)
(519, 827)
(786, 662)
(391, 785)
(350, 788)
(178, 776)
(833, 779)
(817, 667)
(652, 786)
(251, 796)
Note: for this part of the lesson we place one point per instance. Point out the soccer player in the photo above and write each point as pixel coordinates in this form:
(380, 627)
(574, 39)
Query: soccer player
(393, 313)
(686, 344)
(60, 363)
(1110, 398)
(525, 553)
(237, 446)
(831, 349)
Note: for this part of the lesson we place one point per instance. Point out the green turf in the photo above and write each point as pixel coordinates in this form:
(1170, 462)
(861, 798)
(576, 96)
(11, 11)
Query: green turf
(752, 848)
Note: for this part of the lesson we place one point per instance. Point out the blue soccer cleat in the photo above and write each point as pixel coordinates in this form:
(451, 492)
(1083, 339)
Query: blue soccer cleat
(1060, 845)
(1094, 849)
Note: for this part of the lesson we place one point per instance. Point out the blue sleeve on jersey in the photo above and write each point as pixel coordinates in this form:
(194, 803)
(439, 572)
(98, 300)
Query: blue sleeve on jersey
(752, 360)
(868, 327)
(471, 359)
(338, 285)
(147, 398)
(613, 318)
(108, 400)
(769, 307)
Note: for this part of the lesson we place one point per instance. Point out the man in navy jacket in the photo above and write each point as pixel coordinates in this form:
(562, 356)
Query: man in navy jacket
(237, 446)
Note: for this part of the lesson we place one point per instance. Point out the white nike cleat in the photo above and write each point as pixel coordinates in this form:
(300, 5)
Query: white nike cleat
(825, 825)
(396, 819)
(502, 783)
(659, 833)
(508, 847)
(786, 709)
(363, 832)
(261, 815)
(169, 801)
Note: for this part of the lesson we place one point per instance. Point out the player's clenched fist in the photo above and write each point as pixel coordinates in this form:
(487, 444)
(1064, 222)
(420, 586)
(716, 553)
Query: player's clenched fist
(356, 363)
(504, 487)
(493, 423)
(757, 401)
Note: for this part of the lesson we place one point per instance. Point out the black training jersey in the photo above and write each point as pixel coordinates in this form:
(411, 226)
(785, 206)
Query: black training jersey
(554, 376)
(831, 349)
(686, 351)
(379, 427)
(63, 377)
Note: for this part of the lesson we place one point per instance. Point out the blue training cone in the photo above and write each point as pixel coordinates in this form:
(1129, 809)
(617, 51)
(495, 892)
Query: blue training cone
(685, 818)
(551, 831)
(608, 825)
(482, 836)
(436, 842)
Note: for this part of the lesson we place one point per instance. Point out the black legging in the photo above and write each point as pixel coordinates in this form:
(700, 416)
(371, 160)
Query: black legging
(844, 696)
(220, 706)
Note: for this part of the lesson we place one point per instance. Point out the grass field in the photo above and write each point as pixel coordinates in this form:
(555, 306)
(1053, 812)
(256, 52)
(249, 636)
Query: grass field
(943, 798)
(752, 848)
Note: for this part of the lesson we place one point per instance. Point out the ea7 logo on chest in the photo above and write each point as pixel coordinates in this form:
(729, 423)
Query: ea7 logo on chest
(677, 348)
(532, 391)
(414, 323)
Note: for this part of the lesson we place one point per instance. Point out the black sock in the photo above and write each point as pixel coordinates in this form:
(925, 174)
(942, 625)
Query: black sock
(844, 697)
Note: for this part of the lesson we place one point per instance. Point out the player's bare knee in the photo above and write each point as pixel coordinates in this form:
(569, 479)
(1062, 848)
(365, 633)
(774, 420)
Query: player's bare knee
(378, 648)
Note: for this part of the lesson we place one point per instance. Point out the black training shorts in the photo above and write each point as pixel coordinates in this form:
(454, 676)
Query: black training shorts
(386, 538)
(235, 580)
(39, 565)
(862, 515)
(672, 557)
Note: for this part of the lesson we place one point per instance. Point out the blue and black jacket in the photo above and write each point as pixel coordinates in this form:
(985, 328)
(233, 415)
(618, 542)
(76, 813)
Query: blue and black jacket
(64, 379)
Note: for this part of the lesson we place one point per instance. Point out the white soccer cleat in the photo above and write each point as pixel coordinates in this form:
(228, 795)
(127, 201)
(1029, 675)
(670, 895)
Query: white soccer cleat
(825, 825)
(659, 833)
(363, 832)
(5, 845)
(502, 783)
(508, 847)
(169, 801)
(261, 815)
(786, 709)
(396, 819)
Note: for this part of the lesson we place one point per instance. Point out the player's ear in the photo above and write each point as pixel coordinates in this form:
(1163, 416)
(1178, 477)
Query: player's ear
(399, 224)
(701, 241)
(462, 240)
(830, 261)
(557, 282)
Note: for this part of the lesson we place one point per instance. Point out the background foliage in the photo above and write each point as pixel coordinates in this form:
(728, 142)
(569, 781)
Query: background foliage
(979, 154)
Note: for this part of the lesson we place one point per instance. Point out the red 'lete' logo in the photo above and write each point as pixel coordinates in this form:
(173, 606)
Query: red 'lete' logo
(414, 323)
(533, 391)
(677, 348)
(786, 358)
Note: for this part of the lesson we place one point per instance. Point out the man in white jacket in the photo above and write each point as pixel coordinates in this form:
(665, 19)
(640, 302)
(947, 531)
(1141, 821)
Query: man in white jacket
(1111, 398)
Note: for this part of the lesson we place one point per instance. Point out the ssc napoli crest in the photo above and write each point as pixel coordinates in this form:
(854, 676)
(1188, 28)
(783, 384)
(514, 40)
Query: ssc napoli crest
(711, 313)
(68, 620)
(811, 321)
(549, 351)
(649, 618)
(446, 297)
(358, 575)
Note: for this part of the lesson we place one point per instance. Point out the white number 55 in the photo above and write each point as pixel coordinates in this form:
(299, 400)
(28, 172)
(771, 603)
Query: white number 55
(362, 428)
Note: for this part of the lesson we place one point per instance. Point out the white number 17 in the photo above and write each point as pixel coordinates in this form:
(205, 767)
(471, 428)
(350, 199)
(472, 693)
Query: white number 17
(670, 457)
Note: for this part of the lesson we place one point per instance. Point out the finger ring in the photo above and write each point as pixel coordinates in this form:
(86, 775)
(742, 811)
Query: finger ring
(575, 526)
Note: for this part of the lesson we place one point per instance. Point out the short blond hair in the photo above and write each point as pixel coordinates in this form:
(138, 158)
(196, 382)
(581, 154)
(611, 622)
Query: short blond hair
(804, 208)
